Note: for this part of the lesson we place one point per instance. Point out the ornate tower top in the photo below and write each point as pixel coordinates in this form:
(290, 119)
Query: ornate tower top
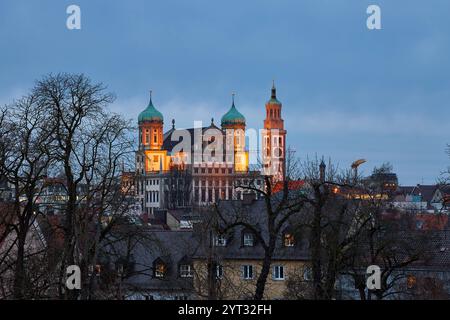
(233, 116)
(273, 96)
(150, 113)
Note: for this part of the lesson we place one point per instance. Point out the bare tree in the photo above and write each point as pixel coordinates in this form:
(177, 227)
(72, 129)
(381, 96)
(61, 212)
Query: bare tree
(91, 144)
(25, 157)
(282, 202)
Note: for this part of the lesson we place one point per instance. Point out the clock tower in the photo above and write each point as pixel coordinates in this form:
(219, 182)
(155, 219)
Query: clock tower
(274, 139)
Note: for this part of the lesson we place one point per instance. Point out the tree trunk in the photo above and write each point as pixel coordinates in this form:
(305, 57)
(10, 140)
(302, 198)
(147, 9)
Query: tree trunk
(265, 270)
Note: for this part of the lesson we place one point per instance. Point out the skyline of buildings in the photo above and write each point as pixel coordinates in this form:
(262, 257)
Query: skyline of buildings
(349, 92)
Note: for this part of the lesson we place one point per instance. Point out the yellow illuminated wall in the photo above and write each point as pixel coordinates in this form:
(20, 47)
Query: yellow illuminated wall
(241, 161)
(156, 160)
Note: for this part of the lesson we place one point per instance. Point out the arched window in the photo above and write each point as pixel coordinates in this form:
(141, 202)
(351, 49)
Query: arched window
(147, 137)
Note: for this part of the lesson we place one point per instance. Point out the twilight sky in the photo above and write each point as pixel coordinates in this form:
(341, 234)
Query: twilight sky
(347, 92)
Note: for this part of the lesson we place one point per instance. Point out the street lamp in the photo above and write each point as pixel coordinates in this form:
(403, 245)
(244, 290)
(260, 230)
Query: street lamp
(355, 166)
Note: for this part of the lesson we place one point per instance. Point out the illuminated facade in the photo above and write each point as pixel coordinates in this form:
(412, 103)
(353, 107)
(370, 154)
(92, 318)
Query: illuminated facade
(199, 166)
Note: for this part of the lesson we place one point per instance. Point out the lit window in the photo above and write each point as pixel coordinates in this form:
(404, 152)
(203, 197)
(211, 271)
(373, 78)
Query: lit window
(289, 240)
(411, 282)
(278, 273)
(247, 272)
(160, 269)
(186, 271)
(248, 239)
(220, 240)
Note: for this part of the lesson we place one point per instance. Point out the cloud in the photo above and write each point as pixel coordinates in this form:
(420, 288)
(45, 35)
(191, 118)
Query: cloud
(405, 123)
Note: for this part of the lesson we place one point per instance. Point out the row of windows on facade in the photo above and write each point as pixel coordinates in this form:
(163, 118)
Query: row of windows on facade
(152, 182)
(155, 182)
(277, 141)
(152, 196)
(216, 170)
(217, 182)
(204, 195)
(186, 271)
(147, 136)
(178, 297)
(272, 113)
(210, 195)
(249, 240)
(201, 195)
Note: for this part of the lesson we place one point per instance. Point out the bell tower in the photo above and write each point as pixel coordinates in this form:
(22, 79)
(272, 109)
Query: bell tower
(274, 139)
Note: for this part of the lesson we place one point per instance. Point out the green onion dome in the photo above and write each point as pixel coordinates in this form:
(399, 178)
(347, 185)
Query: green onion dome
(150, 113)
(233, 116)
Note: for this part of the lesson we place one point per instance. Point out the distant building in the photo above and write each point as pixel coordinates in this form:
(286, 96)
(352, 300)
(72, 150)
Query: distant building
(198, 166)
(6, 190)
(422, 198)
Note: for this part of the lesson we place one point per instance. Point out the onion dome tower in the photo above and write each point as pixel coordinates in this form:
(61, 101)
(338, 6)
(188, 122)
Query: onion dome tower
(151, 127)
(233, 123)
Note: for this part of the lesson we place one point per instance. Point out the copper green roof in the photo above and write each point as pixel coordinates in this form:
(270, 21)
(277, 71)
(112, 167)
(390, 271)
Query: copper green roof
(150, 113)
(233, 116)
(274, 101)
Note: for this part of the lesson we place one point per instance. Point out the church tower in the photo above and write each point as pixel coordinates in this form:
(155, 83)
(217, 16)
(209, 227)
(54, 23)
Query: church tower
(274, 139)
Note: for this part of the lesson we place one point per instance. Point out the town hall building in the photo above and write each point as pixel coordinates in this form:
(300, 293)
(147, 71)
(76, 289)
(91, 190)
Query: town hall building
(199, 166)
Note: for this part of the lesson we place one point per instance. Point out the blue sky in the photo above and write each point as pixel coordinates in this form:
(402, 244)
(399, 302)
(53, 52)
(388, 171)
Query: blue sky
(347, 92)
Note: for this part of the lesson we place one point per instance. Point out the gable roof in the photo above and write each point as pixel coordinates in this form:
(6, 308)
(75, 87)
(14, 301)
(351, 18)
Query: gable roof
(253, 214)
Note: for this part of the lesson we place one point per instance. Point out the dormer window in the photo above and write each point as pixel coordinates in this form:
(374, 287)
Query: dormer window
(248, 239)
(186, 271)
(288, 239)
(220, 240)
(159, 268)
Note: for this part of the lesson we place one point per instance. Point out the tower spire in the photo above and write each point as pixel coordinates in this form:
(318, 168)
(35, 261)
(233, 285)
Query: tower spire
(232, 98)
(274, 90)
(151, 93)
